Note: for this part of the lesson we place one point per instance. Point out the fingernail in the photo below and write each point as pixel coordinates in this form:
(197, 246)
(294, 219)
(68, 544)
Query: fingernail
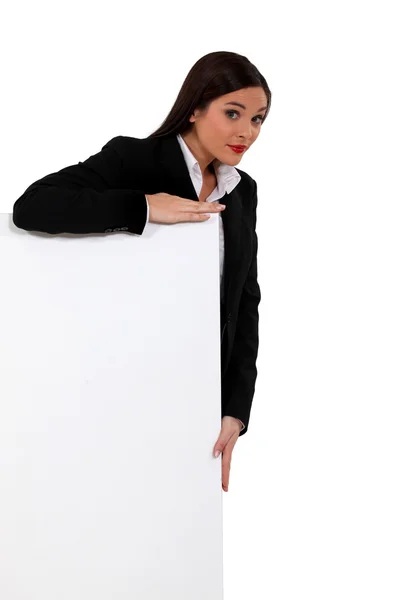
(216, 453)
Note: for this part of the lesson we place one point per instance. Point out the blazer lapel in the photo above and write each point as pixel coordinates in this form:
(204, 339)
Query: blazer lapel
(175, 179)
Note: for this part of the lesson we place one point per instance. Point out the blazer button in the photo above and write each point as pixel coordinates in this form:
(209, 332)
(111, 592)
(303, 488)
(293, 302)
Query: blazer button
(229, 317)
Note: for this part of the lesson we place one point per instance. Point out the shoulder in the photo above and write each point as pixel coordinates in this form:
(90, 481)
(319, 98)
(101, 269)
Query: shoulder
(132, 151)
(249, 184)
(124, 144)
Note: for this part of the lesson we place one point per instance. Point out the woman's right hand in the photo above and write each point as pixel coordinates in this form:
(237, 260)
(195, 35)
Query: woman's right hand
(166, 208)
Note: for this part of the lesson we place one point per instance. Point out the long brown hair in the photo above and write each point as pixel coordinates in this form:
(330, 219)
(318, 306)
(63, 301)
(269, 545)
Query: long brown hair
(213, 75)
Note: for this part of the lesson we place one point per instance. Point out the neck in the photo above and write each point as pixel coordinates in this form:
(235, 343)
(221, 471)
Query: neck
(207, 167)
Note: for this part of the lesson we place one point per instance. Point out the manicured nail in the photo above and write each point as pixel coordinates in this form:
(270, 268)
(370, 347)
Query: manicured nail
(216, 453)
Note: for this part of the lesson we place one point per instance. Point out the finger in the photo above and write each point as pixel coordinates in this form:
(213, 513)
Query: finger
(226, 441)
(226, 467)
(195, 216)
(200, 207)
(219, 446)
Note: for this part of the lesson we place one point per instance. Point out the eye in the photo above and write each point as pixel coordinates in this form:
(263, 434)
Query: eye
(227, 112)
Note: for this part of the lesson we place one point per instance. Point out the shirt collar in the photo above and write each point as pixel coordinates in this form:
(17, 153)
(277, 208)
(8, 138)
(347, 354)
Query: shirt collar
(227, 176)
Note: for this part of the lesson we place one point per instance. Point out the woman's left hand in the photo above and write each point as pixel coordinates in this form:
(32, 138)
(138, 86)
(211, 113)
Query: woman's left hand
(230, 429)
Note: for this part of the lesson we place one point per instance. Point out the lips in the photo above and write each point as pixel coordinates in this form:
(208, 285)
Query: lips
(237, 149)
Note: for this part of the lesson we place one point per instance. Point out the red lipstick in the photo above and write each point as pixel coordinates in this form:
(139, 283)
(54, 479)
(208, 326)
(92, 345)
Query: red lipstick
(237, 149)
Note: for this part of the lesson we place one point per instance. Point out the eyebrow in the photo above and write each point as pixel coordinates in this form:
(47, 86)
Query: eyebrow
(243, 106)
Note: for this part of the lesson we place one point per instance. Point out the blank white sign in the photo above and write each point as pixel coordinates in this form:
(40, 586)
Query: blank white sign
(110, 406)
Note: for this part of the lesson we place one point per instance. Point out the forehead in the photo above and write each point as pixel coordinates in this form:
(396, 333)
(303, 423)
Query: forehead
(253, 98)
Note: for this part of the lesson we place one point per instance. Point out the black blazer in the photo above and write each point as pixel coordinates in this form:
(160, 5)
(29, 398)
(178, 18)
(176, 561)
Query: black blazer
(106, 193)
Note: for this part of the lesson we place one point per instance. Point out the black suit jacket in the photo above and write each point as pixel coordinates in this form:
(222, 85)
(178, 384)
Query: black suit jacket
(106, 193)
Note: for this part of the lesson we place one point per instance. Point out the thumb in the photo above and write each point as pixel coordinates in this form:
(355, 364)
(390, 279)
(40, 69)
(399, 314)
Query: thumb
(220, 443)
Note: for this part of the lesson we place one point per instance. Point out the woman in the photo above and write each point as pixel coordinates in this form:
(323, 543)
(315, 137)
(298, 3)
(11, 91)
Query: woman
(176, 174)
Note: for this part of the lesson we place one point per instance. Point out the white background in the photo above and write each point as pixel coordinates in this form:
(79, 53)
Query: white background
(311, 510)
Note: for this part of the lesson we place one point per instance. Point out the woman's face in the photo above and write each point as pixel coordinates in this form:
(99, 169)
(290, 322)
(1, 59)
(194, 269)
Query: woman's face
(227, 124)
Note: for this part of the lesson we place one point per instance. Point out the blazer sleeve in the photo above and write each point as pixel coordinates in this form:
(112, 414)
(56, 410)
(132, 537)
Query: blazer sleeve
(241, 374)
(88, 197)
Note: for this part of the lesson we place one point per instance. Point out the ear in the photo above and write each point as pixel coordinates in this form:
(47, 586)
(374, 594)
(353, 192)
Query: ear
(193, 116)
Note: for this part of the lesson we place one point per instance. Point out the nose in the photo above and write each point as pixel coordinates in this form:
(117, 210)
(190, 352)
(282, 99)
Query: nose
(244, 136)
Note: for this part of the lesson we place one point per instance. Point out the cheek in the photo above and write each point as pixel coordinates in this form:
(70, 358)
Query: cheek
(220, 125)
(226, 132)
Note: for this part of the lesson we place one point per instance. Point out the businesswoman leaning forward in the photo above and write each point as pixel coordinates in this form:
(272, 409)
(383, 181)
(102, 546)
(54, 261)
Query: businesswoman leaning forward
(177, 174)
